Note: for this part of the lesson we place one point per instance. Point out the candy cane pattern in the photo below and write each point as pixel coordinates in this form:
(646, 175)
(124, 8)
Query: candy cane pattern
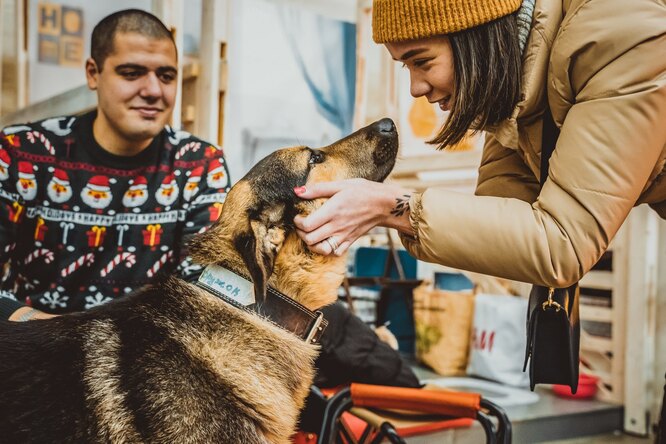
(46, 253)
(86, 259)
(129, 258)
(194, 146)
(157, 265)
(42, 138)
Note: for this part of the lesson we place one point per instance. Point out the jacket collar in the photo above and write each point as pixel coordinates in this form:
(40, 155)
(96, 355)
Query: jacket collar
(545, 24)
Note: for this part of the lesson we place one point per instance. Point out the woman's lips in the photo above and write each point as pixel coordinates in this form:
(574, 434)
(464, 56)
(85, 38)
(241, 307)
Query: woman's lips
(444, 104)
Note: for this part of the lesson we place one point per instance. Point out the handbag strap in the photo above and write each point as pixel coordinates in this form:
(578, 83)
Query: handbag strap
(549, 135)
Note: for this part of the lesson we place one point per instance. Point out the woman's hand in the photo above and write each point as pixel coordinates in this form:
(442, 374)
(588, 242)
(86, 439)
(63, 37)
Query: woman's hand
(355, 207)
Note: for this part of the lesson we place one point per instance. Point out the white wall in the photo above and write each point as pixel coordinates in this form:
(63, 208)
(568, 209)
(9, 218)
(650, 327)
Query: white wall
(267, 95)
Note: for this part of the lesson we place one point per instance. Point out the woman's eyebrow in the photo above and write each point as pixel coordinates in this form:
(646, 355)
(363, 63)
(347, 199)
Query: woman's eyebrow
(411, 53)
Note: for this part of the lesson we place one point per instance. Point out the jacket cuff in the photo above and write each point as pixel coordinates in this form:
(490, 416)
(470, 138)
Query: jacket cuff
(415, 211)
(8, 307)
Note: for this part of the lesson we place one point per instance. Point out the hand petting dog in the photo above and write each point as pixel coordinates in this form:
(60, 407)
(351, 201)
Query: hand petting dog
(354, 207)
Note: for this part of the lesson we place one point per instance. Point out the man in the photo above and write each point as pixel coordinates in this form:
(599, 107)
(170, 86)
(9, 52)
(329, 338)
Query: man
(92, 207)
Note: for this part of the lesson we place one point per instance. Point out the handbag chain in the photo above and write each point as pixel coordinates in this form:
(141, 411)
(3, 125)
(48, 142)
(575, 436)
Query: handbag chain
(550, 303)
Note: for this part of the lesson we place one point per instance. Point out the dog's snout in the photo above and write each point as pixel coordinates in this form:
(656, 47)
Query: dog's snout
(385, 127)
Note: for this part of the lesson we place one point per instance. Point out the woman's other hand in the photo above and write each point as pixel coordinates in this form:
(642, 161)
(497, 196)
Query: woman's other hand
(354, 207)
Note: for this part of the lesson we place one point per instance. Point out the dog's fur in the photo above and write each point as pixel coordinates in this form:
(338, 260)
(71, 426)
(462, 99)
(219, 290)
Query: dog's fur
(172, 363)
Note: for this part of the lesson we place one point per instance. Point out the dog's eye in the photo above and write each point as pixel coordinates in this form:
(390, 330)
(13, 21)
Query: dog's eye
(316, 157)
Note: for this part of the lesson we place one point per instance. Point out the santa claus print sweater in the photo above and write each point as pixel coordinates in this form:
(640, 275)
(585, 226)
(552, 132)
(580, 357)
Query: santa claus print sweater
(80, 226)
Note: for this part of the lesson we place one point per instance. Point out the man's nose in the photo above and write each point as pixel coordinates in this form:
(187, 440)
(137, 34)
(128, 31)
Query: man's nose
(151, 86)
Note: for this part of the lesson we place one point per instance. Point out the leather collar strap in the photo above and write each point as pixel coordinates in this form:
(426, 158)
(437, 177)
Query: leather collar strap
(277, 308)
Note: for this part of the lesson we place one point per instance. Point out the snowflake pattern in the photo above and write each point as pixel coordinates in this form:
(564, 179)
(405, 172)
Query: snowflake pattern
(187, 268)
(95, 300)
(54, 299)
(6, 294)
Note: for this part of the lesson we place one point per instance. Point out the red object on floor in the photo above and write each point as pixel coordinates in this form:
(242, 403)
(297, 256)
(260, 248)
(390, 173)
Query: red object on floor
(587, 388)
(304, 438)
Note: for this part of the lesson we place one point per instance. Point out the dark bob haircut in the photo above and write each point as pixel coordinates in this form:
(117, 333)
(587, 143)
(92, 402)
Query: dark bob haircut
(128, 20)
(487, 78)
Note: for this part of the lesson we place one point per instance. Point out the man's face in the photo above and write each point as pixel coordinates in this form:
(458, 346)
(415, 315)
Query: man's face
(136, 87)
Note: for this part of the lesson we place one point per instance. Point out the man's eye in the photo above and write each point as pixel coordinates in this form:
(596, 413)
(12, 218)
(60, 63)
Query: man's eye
(167, 78)
(130, 74)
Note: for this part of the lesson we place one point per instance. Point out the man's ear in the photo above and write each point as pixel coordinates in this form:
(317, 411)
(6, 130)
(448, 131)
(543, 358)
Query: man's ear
(259, 248)
(91, 73)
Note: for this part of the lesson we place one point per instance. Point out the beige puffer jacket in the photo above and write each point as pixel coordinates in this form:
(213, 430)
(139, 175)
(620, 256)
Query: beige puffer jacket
(604, 65)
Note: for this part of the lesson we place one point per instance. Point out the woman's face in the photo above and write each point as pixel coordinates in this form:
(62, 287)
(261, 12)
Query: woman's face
(430, 64)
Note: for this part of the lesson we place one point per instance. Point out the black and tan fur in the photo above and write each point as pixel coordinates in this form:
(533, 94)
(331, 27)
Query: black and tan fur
(172, 363)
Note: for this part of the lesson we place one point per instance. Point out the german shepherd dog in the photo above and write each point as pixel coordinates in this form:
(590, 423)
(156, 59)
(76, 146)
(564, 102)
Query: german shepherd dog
(179, 362)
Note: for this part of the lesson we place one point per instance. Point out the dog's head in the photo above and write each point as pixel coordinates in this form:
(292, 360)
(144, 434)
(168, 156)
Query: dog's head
(257, 216)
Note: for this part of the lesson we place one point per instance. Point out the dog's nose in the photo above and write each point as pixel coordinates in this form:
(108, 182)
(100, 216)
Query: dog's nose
(385, 127)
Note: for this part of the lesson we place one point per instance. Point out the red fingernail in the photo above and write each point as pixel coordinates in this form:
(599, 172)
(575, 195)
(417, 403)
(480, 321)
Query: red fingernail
(299, 190)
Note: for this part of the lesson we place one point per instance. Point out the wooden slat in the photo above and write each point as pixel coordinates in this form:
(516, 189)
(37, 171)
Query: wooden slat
(641, 294)
(215, 32)
(600, 280)
(595, 343)
(593, 313)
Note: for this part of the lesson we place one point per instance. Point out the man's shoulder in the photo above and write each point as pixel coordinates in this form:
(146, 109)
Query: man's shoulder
(57, 126)
(189, 147)
(47, 133)
(179, 138)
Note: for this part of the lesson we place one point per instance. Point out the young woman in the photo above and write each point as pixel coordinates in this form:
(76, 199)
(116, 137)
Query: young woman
(497, 65)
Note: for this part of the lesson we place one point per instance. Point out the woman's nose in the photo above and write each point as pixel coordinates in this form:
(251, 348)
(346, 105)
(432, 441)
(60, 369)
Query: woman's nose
(418, 86)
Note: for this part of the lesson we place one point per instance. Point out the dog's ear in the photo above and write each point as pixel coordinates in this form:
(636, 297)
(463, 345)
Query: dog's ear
(259, 248)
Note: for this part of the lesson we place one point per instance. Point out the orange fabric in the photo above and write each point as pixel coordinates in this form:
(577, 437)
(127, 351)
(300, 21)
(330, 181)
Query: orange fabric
(405, 424)
(429, 401)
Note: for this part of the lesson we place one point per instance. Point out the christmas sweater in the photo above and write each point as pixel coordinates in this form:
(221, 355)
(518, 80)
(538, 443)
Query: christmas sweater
(80, 226)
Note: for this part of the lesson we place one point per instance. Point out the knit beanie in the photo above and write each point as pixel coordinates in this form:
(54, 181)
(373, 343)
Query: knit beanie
(399, 20)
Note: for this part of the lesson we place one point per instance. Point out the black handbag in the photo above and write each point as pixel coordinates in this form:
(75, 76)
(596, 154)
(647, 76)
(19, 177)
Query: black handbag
(553, 323)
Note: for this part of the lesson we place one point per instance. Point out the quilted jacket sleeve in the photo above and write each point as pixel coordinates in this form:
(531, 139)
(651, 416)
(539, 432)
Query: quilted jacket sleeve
(504, 174)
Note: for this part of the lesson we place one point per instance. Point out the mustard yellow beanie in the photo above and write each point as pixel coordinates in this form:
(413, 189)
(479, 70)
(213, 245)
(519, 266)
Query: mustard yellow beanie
(398, 20)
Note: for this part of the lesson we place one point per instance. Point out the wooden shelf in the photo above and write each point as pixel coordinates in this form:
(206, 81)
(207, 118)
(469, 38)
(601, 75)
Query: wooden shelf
(599, 280)
(595, 343)
(594, 313)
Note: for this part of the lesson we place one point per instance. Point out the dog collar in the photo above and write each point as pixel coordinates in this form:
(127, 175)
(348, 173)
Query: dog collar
(277, 308)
